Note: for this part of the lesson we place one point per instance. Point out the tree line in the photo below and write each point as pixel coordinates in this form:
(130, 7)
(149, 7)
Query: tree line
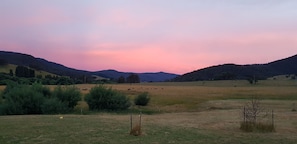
(132, 78)
(27, 75)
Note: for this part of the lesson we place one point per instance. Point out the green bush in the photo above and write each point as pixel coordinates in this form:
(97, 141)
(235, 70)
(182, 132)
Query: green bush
(4, 109)
(69, 96)
(37, 99)
(142, 99)
(54, 106)
(1, 94)
(102, 98)
(22, 100)
(119, 102)
(38, 87)
(1, 99)
(9, 86)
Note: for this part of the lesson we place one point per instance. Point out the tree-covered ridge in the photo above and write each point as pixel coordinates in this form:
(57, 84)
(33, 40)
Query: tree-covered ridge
(287, 66)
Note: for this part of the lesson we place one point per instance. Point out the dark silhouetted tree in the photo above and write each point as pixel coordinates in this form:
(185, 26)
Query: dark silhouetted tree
(31, 73)
(121, 79)
(10, 72)
(133, 78)
(252, 79)
(64, 81)
(22, 71)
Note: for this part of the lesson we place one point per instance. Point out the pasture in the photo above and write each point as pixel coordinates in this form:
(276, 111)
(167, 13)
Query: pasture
(191, 112)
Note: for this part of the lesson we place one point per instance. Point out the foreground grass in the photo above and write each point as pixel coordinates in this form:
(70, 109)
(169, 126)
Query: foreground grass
(113, 129)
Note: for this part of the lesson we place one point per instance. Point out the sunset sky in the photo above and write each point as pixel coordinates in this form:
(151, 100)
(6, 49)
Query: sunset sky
(176, 36)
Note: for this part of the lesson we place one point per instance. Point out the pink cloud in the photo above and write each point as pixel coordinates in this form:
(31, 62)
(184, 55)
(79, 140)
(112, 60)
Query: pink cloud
(146, 57)
(180, 56)
(171, 55)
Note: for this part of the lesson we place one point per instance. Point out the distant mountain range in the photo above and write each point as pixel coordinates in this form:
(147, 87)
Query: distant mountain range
(219, 72)
(58, 69)
(232, 71)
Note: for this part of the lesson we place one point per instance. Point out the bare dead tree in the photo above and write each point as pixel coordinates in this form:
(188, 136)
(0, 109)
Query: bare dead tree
(252, 110)
(256, 118)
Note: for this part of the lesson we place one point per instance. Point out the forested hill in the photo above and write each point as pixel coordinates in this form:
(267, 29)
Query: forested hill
(58, 69)
(233, 71)
(40, 64)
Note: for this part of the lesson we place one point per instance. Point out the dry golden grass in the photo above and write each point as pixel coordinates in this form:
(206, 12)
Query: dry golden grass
(180, 97)
(2, 88)
(7, 68)
(190, 96)
(136, 130)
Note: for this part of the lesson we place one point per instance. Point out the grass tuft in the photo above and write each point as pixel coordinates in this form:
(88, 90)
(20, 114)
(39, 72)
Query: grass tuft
(257, 127)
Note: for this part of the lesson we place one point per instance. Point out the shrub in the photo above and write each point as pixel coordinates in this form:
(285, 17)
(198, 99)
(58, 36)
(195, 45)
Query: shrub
(102, 98)
(1, 101)
(257, 127)
(9, 86)
(255, 119)
(69, 96)
(142, 99)
(22, 100)
(3, 109)
(118, 102)
(53, 106)
(37, 99)
(39, 88)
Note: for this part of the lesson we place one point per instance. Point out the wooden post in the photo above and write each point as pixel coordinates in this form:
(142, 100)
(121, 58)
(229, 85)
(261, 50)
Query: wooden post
(272, 118)
(140, 122)
(131, 123)
(244, 115)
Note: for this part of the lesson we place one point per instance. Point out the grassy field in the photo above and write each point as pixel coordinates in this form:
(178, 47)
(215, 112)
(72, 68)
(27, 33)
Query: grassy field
(217, 126)
(7, 68)
(188, 96)
(192, 112)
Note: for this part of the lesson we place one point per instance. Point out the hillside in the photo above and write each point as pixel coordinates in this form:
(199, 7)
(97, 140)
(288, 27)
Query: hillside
(8, 67)
(233, 71)
(61, 70)
(41, 64)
